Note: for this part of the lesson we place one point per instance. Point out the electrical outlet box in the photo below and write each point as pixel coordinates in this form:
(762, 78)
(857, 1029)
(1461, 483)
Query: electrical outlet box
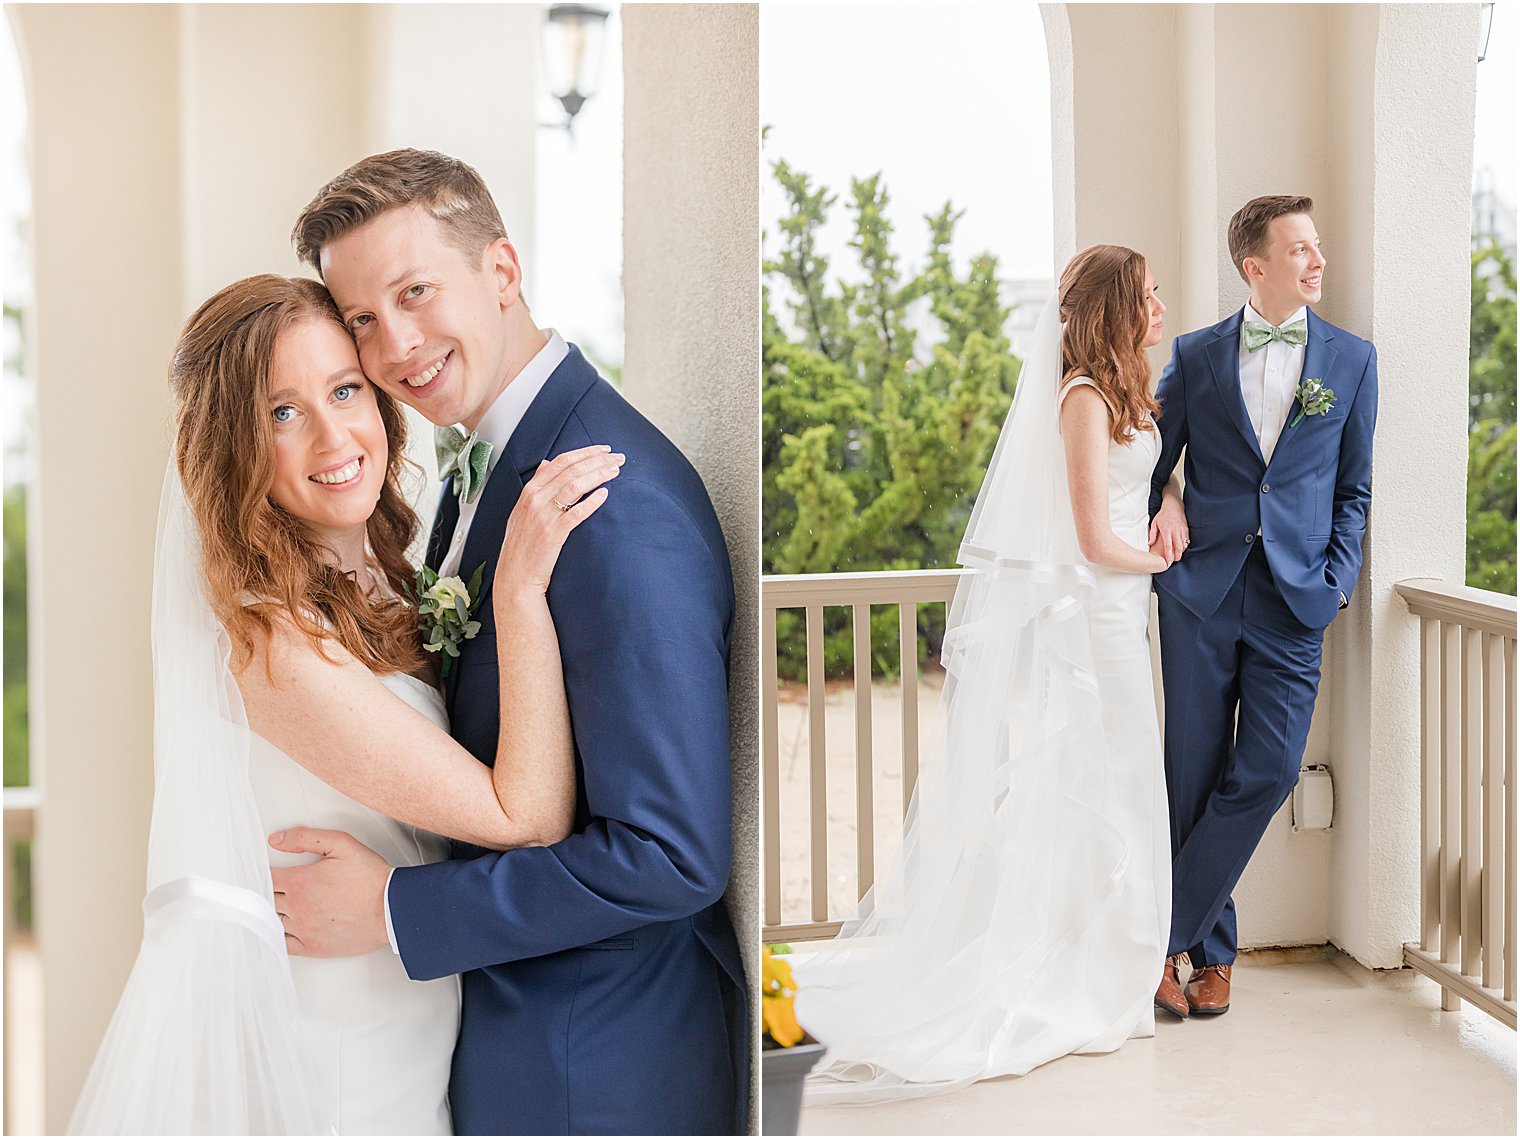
(1313, 798)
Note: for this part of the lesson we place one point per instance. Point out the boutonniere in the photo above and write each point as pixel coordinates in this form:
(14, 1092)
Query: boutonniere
(444, 605)
(1314, 398)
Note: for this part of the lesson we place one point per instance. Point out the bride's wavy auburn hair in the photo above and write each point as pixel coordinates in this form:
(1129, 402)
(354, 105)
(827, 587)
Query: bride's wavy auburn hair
(1103, 307)
(225, 451)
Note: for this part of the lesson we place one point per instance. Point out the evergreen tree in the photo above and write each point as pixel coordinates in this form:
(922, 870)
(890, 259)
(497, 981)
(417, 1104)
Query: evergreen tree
(882, 399)
(15, 688)
(1491, 422)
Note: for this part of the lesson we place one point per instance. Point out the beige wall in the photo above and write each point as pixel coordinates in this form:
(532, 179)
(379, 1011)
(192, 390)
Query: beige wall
(104, 98)
(1158, 116)
(691, 246)
(463, 79)
(172, 149)
(255, 148)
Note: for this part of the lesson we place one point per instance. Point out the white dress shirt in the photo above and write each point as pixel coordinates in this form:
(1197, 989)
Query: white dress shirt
(1268, 379)
(497, 425)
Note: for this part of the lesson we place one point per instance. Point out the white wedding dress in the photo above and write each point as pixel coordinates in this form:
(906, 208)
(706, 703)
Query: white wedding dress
(380, 1043)
(1026, 914)
(218, 1030)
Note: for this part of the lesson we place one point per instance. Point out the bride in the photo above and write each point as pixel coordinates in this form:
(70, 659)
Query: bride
(291, 687)
(1026, 913)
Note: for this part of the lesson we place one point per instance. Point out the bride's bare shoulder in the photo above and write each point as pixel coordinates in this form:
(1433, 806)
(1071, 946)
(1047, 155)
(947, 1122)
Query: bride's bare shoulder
(285, 650)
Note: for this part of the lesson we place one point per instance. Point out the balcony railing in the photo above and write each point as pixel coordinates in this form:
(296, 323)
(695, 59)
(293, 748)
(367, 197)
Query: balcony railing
(811, 593)
(1467, 795)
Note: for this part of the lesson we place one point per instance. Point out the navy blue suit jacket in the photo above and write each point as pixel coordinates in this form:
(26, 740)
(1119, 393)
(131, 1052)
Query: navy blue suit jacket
(603, 990)
(1309, 503)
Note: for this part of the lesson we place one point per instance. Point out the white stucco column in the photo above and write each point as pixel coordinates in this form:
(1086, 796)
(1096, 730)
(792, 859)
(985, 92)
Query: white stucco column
(691, 247)
(255, 150)
(104, 97)
(1413, 229)
(1125, 131)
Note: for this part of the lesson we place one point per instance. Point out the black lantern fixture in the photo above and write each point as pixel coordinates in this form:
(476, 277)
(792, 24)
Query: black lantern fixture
(574, 35)
(1485, 29)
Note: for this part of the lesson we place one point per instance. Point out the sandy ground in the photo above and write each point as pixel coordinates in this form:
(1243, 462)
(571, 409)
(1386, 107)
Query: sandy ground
(840, 785)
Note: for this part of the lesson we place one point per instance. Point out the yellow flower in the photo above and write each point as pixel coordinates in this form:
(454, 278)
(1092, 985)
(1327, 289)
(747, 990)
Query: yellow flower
(781, 1021)
(778, 992)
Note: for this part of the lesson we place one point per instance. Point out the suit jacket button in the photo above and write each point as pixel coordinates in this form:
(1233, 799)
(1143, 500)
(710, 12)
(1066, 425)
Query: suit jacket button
(1250, 538)
(1266, 488)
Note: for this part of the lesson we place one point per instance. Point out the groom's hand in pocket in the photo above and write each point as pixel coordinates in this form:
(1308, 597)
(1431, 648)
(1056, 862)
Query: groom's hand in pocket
(334, 907)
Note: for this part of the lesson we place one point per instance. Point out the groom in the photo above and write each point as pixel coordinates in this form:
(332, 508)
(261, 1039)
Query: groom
(1276, 409)
(602, 985)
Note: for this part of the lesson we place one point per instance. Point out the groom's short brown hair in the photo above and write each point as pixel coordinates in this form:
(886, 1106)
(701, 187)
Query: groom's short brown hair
(448, 189)
(1253, 221)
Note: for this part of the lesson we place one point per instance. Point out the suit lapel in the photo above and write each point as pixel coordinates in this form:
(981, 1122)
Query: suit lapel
(1319, 358)
(529, 445)
(1224, 362)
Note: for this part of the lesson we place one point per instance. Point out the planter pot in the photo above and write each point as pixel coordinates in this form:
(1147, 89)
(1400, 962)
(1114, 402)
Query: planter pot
(782, 1071)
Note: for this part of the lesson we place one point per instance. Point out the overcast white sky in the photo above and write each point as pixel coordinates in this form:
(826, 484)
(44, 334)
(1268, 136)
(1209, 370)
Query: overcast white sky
(576, 285)
(947, 100)
(1498, 125)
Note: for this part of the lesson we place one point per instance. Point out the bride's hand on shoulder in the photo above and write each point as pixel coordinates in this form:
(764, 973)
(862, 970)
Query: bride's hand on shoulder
(562, 493)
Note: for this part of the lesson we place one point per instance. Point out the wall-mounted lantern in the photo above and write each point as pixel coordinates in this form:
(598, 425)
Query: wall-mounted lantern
(573, 42)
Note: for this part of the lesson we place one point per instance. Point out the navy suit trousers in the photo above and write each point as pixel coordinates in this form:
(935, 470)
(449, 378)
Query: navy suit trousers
(1240, 688)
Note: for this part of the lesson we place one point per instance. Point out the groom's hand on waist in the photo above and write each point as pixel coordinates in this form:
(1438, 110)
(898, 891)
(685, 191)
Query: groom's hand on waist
(334, 907)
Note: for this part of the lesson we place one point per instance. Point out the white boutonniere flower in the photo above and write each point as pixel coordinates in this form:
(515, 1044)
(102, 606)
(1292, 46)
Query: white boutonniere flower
(1313, 399)
(444, 605)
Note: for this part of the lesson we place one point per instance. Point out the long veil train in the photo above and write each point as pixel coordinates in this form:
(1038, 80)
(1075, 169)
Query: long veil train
(946, 974)
(205, 1039)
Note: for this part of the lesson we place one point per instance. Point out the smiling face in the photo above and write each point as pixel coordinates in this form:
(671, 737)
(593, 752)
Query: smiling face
(1288, 274)
(1153, 310)
(330, 448)
(428, 320)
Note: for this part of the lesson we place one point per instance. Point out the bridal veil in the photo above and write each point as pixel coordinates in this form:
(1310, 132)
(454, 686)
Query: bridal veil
(945, 974)
(205, 1039)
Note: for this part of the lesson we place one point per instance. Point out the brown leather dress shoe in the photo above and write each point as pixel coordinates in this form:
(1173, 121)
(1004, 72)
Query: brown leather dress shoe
(1169, 995)
(1208, 990)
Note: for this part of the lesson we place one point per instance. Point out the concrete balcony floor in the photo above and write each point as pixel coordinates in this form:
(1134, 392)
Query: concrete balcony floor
(1313, 1044)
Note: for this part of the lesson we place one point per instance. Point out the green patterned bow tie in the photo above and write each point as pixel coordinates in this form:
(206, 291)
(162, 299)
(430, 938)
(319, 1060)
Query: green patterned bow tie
(1256, 335)
(463, 457)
